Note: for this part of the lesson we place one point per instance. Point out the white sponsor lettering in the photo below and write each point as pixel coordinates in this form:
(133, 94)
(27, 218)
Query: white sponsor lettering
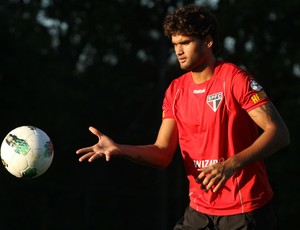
(198, 91)
(206, 163)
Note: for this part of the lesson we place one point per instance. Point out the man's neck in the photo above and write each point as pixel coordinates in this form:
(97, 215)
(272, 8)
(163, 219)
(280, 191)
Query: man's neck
(204, 74)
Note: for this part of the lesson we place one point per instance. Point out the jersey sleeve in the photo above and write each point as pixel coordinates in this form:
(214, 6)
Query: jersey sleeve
(248, 92)
(168, 102)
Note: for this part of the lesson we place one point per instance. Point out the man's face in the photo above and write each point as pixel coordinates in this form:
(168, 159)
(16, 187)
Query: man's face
(191, 52)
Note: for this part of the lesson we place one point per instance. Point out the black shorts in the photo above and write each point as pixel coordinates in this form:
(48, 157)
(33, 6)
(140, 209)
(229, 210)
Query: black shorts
(261, 219)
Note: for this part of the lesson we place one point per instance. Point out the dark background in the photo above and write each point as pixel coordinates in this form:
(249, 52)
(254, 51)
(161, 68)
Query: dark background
(66, 65)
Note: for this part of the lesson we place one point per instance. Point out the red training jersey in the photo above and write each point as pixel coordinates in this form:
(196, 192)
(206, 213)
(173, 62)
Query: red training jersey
(213, 125)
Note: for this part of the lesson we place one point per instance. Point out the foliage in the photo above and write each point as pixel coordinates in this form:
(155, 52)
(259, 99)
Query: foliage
(69, 64)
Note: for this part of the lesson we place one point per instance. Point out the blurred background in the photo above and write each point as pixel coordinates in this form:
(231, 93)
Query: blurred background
(66, 65)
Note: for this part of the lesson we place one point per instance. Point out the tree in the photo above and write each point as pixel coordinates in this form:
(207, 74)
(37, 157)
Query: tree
(68, 64)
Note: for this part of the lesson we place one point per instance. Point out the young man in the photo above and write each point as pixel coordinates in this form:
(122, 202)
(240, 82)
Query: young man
(214, 112)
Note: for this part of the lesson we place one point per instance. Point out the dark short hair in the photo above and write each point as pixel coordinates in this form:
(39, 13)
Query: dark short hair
(192, 20)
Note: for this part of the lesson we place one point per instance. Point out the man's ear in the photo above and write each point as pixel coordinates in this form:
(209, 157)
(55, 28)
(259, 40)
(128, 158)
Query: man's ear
(209, 41)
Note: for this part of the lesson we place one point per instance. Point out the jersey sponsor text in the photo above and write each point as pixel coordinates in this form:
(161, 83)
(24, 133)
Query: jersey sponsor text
(206, 163)
(198, 91)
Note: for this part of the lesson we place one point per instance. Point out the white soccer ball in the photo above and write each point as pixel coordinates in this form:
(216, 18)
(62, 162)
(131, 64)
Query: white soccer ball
(27, 152)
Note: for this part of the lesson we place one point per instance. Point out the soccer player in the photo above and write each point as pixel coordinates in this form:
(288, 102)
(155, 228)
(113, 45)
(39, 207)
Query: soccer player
(225, 125)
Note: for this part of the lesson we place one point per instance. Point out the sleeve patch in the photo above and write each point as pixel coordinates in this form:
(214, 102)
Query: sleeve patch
(258, 97)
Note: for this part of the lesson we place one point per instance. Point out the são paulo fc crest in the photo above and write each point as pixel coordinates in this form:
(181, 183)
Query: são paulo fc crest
(214, 100)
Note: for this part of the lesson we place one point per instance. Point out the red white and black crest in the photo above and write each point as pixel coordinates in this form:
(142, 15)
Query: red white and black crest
(214, 100)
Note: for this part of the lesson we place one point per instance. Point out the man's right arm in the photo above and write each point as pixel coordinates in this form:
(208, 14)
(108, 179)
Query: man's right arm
(157, 155)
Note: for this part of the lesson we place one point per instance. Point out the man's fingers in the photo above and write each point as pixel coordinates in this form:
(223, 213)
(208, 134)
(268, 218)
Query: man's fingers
(208, 179)
(212, 181)
(86, 156)
(84, 150)
(200, 177)
(221, 182)
(95, 131)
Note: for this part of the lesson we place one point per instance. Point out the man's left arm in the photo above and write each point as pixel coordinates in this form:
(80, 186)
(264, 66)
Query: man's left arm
(275, 133)
(275, 136)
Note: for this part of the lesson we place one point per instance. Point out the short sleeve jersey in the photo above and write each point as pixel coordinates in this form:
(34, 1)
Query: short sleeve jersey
(213, 125)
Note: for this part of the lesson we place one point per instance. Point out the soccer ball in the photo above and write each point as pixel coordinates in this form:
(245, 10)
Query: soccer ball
(27, 152)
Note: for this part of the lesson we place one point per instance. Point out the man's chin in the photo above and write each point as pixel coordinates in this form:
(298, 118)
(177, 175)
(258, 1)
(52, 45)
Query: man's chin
(185, 68)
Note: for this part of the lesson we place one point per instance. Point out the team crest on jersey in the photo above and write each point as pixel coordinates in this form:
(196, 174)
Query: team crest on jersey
(214, 100)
